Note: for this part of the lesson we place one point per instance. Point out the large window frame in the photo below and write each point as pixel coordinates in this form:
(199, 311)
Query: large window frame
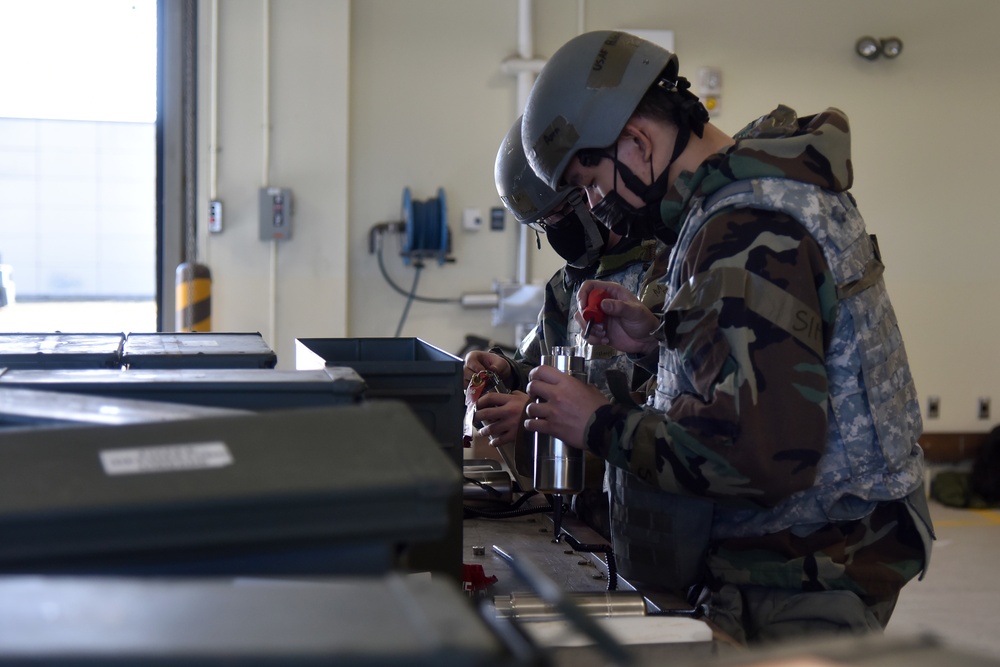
(176, 147)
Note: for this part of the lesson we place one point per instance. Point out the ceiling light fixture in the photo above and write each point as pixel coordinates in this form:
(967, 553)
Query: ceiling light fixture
(891, 46)
(870, 48)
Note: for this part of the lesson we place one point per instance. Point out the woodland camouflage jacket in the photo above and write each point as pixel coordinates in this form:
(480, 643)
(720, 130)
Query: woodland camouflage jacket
(757, 403)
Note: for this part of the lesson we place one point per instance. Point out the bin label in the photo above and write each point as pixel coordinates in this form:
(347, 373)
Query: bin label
(165, 458)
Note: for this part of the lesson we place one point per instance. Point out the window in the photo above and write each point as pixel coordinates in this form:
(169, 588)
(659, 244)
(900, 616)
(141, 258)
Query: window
(78, 164)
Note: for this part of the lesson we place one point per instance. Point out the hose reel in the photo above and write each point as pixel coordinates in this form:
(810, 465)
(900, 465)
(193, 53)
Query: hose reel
(426, 225)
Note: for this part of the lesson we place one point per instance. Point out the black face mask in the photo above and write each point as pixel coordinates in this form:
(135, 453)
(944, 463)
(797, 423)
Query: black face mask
(578, 239)
(626, 220)
(643, 222)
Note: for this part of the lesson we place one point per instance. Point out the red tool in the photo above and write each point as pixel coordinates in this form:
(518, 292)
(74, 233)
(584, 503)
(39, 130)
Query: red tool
(592, 312)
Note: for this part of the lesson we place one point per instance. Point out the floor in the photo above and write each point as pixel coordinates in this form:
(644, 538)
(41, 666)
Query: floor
(958, 600)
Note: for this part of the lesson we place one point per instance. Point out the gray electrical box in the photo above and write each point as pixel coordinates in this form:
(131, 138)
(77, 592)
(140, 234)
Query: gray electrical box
(275, 214)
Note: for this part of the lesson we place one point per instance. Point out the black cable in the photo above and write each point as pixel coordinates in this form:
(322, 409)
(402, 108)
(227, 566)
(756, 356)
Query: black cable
(505, 514)
(409, 300)
(399, 290)
(609, 556)
(524, 497)
(514, 510)
(484, 486)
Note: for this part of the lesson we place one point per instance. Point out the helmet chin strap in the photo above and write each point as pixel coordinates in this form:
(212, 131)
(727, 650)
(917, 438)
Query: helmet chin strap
(657, 186)
(593, 235)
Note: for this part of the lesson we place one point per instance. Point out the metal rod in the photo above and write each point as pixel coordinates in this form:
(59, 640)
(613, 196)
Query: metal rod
(528, 607)
(557, 512)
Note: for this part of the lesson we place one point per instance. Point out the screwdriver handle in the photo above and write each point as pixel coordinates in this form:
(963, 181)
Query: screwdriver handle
(592, 312)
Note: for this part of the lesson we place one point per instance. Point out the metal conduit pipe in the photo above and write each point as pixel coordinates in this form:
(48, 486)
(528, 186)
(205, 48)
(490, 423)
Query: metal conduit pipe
(524, 67)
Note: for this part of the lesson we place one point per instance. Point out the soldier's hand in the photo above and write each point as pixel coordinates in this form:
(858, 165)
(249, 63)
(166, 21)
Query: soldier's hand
(480, 360)
(565, 407)
(628, 324)
(502, 415)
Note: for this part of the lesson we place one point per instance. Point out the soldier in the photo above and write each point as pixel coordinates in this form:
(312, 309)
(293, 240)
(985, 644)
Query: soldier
(775, 472)
(590, 251)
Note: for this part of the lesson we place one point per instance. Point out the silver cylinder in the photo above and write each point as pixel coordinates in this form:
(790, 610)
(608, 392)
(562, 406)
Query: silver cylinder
(480, 300)
(558, 466)
(529, 607)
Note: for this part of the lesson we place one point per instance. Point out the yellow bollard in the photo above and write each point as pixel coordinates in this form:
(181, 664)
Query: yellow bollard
(193, 297)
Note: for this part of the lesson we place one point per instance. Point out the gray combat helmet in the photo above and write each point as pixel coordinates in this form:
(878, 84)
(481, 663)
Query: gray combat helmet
(521, 191)
(585, 94)
(577, 238)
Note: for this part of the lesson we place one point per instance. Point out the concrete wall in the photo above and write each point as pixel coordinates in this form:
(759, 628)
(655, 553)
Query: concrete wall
(371, 96)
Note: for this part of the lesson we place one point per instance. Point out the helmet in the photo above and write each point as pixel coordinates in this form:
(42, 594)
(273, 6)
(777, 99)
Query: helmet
(521, 191)
(578, 238)
(586, 93)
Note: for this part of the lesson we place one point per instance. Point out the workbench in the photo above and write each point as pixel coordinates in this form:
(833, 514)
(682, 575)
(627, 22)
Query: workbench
(494, 542)
(531, 537)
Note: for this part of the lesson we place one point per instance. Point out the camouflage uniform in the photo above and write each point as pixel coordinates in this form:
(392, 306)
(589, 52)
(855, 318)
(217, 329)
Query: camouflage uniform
(760, 423)
(627, 264)
(631, 264)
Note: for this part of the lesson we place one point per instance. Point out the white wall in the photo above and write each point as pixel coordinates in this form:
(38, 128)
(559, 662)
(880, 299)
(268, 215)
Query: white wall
(281, 110)
(374, 95)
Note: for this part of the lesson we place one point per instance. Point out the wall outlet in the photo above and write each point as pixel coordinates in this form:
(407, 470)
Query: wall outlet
(472, 219)
(984, 407)
(933, 407)
(215, 216)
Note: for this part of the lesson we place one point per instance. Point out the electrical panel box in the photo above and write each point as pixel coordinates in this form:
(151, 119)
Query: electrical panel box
(275, 214)
(497, 217)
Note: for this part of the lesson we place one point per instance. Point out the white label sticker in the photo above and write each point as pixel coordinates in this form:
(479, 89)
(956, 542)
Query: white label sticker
(198, 342)
(165, 458)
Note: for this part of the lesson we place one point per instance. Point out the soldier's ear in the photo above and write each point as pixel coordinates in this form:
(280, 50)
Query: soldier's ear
(637, 133)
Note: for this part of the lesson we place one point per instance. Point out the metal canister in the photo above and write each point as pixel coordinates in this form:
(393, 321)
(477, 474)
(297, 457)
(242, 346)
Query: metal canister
(558, 466)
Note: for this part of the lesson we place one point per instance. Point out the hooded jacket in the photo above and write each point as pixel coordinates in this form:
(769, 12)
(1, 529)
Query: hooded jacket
(760, 407)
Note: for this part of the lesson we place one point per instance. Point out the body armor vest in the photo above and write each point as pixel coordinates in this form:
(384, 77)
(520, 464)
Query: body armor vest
(874, 420)
(873, 414)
